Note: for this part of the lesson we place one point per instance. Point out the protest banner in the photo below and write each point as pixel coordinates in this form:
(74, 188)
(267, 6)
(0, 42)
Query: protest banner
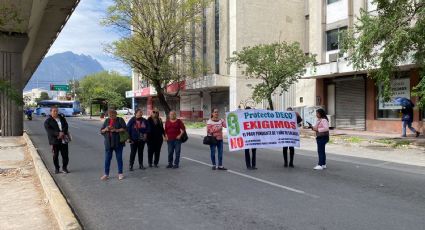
(253, 128)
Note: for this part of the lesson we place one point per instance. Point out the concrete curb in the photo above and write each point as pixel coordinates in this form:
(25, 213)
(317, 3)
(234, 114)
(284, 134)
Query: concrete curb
(60, 208)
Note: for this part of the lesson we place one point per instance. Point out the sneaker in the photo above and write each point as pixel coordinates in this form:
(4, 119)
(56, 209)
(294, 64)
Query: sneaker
(131, 168)
(156, 166)
(324, 166)
(254, 168)
(104, 177)
(291, 165)
(318, 167)
(142, 167)
(285, 165)
(65, 171)
(169, 166)
(150, 165)
(120, 176)
(248, 168)
(57, 171)
(175, 167)
(221, 168)
(417, 134)
(214, 167)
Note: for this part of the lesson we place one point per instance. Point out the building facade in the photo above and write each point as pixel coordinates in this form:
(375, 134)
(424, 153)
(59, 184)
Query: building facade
(228, 26)
(349, 96)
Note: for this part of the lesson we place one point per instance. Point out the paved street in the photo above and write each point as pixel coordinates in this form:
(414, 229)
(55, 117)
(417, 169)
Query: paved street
(353, 193)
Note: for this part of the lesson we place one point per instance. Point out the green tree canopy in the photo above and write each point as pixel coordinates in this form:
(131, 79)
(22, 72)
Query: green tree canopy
(383, 39)
(43, 96)
(160, 33)
(278, 65)
(108, 85)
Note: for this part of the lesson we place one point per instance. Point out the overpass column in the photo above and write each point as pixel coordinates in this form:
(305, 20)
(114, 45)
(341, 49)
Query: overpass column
(11, 72)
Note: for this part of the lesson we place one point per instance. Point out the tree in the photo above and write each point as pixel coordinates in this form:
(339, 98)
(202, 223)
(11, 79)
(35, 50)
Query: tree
(108, 85)
(43, 96)
(381, 40)
(278, 65)
(159, 33)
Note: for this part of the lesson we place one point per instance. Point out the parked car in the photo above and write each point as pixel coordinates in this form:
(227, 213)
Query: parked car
(125, 111)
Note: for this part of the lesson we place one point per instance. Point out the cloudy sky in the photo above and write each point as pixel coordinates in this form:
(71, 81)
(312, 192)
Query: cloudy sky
(83, 34)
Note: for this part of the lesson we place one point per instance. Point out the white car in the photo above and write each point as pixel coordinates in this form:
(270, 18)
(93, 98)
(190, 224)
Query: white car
(125, 111)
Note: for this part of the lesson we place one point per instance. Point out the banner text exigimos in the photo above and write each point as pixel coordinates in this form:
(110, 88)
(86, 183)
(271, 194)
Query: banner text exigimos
(247, 129)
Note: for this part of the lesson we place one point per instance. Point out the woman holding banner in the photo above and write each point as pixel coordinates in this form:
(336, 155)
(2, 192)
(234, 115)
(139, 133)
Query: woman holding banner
(322, 137)
(215, 127)
(291, 149)
(250, 161)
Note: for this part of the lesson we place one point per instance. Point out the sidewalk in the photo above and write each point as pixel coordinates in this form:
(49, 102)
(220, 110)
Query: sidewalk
(22, 202)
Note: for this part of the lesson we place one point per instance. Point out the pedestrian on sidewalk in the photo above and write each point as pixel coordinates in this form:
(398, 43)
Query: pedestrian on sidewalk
(291, 149)
(174, 129)
(155, 138)
(250, 161)
(322, 137)
(110, 130)
(215, 127)
(58, 135)
(407, 119)
(138, 129)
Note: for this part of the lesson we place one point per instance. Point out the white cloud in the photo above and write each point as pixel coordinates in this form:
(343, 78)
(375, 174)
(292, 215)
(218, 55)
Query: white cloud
(83, 34)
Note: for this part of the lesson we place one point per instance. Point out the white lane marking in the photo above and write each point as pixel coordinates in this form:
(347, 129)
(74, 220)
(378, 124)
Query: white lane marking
(258, 179)
(73, 126)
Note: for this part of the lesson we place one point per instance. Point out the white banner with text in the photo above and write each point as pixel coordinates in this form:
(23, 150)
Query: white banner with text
(253, 128)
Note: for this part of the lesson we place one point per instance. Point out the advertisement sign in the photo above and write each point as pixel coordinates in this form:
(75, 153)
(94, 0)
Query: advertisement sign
(400, 88)
(247, 129)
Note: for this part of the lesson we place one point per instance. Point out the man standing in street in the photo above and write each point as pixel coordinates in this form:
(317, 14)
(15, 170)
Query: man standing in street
(57, 132)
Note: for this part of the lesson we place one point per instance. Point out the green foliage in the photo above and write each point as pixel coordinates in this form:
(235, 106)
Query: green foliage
(194, 125)
(43, 96)
(382, 40)
(278, 65)
(108, 85)
(8, 91)
(160, 33)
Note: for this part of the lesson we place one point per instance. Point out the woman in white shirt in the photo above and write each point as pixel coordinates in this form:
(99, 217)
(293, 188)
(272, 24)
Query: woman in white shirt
(322, 137)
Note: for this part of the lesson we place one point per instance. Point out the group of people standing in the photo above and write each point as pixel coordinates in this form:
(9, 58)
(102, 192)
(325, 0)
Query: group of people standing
(215, 127)
(152, 132)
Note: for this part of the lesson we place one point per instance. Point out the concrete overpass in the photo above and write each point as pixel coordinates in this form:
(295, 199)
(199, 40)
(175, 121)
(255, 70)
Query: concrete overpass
(28, 28)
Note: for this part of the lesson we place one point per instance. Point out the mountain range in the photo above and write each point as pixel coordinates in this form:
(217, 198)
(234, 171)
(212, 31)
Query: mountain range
(61, 67)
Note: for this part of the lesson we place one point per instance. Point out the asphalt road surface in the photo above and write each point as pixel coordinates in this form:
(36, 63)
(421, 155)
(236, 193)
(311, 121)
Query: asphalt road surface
(353, 193)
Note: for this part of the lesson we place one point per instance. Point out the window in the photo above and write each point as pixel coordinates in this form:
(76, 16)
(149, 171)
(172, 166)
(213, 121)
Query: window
(204, 40)
(401, 88)
(217, 36)
(332, 1)
(333, 37)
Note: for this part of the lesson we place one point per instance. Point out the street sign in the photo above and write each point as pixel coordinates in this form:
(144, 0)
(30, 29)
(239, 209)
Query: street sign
(59, 87)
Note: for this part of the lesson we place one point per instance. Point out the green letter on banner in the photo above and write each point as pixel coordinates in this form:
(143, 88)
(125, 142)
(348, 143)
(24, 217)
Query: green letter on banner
(233, 128)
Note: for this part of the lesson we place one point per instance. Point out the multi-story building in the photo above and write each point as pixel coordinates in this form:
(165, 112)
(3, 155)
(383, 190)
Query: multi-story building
(31, 95)
(228, 26)
(350, 98)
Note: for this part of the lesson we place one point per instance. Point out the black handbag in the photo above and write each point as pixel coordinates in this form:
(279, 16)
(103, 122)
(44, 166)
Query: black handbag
(209, 140)
(184, 137)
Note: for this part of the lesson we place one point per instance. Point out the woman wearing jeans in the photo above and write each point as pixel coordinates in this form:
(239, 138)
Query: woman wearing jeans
(215, 128)
(110, 130)
(322, 137)
(174, 129)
